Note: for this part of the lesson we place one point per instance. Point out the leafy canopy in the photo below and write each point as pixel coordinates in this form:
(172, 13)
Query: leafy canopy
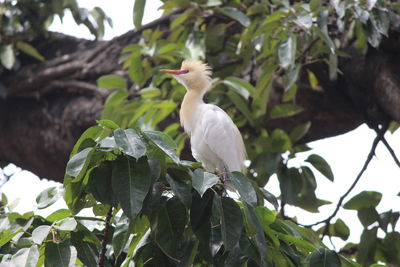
(168, 211)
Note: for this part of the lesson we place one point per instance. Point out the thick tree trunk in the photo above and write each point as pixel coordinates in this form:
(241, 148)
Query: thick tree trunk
(49, 104)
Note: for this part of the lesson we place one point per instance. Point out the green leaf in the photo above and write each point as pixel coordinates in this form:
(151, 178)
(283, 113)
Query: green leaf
(340, 229)
(299, 131)
(30, 50)
(59, 215)
(48, 197)
(131, 182)
(380, 20)
(236, 15)
(164, 143)
(270, 198)
(130, 142)
(312, 79)
(136, 68)
(325, 37)
(112, 81)
(99, 183)
(138, 11)
(202, 181)
(67, 224)
(60, 254)
(391, 248)
(120, 236)
(77, 163)
(367, 216)
(287, 52)
(241, 86)
(87, 250)
(7, 56)
(108, 123)
(243, 185)
(40, 233)
(116, 98)
(364, 199)
(265, 216)
(367, 246)
(285, 110)
(171, 222)
(33, 257)
(150, 92)
(241, 104)
(91, 133)
(323, 257)
(321, 165)
(180, 189)
(231, 221)
(255, 230)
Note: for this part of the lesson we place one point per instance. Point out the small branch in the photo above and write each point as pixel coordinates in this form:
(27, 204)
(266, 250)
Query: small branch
(391, 151)
(327, 221)
(103, 250)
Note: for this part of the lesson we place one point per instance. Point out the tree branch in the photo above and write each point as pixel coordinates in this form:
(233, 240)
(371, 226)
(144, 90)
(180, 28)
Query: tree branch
(391, 151)
(103, 250)
(371, 153)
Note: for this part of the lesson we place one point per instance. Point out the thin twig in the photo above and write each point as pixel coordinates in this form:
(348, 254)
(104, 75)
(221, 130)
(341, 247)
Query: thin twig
(102, 254)
(340, 202)
(391, 151)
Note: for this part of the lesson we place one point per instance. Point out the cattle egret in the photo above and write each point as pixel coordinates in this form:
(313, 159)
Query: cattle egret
(215, 140)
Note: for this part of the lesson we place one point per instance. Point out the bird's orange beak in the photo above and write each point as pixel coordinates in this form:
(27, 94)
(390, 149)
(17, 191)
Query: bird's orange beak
(175, 72)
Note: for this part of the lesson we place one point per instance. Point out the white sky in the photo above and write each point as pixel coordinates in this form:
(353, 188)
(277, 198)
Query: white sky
(346, 153)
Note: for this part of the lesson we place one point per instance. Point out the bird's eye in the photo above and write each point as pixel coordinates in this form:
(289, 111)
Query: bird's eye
(184, 71)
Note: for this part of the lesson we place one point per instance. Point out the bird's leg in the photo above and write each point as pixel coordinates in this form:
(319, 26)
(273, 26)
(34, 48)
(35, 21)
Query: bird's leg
(226, 180)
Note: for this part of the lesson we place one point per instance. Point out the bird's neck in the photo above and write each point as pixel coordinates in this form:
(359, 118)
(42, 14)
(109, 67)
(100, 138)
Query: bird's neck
(191, 103)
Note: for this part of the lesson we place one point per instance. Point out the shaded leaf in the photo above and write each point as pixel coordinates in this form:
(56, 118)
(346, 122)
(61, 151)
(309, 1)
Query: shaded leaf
(60, 254)
(321, 165)
(285, 110)
(244, 187)
(367, 216)
(130, 183)
(130, 142)
(76, 164)
(364, 199)
(231, 221)
(242, 87)
(241, 105)
(181, 190)
(287, 52)
(99, 183)
(121, 235)
(270, 198)
(236, 15)
(163, 142)
(87, 251)
(202, 181)
(299, 131)
(323, 257)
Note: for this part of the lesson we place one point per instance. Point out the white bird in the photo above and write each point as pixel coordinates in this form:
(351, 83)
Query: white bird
(215, 140)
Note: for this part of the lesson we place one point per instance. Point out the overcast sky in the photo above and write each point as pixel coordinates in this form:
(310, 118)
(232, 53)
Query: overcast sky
(346, 153)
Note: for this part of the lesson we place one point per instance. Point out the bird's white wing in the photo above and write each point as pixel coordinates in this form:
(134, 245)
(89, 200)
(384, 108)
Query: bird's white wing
(223, 137)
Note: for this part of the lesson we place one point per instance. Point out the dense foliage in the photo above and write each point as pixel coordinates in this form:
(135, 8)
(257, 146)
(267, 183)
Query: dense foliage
(150, 206)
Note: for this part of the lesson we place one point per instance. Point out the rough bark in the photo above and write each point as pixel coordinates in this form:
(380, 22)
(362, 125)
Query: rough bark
(49, 104)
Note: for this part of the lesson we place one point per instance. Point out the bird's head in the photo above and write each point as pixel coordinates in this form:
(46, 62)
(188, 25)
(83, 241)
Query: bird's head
(194, 75)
